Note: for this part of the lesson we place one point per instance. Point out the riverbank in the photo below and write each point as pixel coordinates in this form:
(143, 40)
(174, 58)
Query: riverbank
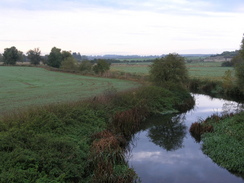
(165, 145)
(222, 138)
(83, 141)
(221, 135)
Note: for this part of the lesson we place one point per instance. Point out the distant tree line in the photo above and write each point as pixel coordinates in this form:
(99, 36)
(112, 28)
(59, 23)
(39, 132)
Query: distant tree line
(227, 54)
(57, 58)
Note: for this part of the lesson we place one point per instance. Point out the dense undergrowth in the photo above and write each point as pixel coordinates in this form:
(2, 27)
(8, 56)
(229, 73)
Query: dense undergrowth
(83, 141)
(217, 89)
(222, 138)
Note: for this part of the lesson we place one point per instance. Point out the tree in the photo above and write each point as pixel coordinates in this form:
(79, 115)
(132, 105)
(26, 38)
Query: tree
(85, 66)
(10, 56)
(69, 64)
(239, 67)
(101, 67)
(1, 58)
(242, 48)
(170, 68)
(34, 56)
(55, 58)
(236, 59)
(66, 54)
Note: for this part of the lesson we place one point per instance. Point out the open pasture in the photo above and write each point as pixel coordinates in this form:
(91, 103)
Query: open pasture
(208, 70)
(202, 70)
(22, 87)
(137, 68)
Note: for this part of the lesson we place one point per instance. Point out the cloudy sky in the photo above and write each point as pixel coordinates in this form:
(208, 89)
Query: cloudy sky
(143, 27)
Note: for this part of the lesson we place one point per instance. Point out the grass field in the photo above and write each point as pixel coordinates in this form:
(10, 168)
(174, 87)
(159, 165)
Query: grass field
(22, 87)
(208, 70)
(202, 70)
(140, 68)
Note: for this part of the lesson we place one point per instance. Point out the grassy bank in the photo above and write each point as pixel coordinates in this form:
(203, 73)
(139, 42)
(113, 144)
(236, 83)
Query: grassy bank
(223, 140)
(83, 141)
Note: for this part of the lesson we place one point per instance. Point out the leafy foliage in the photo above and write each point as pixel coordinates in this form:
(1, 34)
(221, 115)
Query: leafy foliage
(101, 67)
(69, 64)
(50, 144)
(239, 68)
(55, 58)
(227, 64)
(1, 57)
(34, 56)
(11, 55)
(85, 66)
(169, 69)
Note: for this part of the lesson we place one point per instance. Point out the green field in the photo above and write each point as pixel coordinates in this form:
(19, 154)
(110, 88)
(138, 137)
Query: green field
(140, 68)
(208, 70)
(202, 70)
(22, 87)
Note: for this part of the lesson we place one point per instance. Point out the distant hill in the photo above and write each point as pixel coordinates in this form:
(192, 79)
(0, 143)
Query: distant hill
(227, 54)
(223, 57)
(124, 57)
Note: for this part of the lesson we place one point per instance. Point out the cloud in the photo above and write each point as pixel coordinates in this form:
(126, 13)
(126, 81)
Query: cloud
(132, 27)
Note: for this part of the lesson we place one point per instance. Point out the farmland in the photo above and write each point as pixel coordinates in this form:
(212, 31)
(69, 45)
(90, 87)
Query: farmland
(22, 87)
(202, 70)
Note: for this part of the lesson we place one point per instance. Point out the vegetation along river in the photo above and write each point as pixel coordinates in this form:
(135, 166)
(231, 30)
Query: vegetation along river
(164, 151)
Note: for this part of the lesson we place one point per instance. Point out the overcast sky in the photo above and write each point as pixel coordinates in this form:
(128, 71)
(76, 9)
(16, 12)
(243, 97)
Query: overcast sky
(143, 27)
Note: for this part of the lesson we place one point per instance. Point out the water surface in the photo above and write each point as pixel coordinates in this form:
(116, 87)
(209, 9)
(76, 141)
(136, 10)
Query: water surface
(164, 151)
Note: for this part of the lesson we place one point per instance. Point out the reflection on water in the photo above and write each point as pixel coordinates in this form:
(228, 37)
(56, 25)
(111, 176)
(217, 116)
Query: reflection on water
(165, 151)
(167, 131)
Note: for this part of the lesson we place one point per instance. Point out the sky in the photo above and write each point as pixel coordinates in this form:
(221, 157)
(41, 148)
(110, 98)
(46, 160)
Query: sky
(124, 27)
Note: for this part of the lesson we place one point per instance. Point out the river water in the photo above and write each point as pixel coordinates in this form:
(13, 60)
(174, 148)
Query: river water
(164, 151)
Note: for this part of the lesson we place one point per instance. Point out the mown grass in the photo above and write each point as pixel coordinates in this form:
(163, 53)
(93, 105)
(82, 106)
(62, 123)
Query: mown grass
(22, 87)
(201, 70)
(140, 69)
(208, 70)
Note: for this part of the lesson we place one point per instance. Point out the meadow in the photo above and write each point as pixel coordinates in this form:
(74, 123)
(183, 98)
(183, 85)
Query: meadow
(201, 70)
(23, 87)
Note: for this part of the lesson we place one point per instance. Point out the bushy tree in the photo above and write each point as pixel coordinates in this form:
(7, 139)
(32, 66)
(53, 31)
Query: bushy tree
(55, 58)
(65, 55)
(34, 56)
(1, 58)
(22, 56)
(169, 69)
(69, 64)
(101, 67)
(236, 59)
(85, 66)
(11, 56)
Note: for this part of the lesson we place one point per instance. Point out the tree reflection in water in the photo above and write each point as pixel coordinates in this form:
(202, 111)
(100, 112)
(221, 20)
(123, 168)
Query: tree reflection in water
(168, 131)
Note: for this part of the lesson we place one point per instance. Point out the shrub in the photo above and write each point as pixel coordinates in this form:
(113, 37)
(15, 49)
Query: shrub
(169, 69)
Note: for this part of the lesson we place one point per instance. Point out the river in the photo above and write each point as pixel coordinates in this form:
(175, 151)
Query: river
(164, 151)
